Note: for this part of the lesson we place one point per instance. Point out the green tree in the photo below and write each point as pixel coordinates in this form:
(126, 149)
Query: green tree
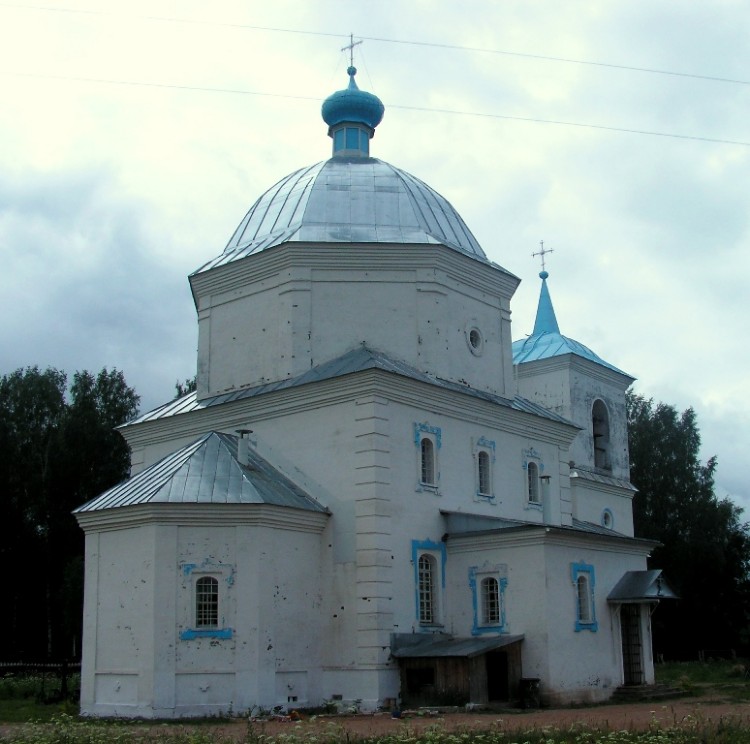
(58, 449)
(183, 388)
(705, 545)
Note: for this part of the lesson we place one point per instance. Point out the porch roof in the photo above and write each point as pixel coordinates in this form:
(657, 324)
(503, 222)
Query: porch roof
(421, 645)
(641, 586)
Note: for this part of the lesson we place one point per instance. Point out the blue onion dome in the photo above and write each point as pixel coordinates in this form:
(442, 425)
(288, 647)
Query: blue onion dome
(352, 105)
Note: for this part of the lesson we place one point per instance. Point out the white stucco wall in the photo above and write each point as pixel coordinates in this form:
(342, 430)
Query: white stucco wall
(148, 658)
(416, 303)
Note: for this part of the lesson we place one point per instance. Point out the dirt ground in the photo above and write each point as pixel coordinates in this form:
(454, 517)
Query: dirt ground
(631, 716)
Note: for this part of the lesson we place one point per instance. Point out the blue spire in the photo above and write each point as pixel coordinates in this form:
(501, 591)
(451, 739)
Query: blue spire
(546, 341)
(546, 322)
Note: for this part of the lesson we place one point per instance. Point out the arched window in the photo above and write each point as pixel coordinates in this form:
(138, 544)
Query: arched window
(206, 602)
(600, 431)
(483, 473)
(583, 594)
(490, 592)
(532, 473)
(582, 575)
(427, 461)
(427, 589)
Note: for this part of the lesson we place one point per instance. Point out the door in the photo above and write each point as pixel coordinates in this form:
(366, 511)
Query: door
(632, 646)
(497, 675)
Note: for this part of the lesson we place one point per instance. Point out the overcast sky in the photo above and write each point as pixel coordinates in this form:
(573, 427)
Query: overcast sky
(134, 137)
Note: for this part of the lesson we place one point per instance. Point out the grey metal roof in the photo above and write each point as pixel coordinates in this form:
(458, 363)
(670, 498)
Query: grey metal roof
(349, 200)
(463, 523)
(422, 645)
(356, 360)
(608, 480)
(641, 586)
(206, 472)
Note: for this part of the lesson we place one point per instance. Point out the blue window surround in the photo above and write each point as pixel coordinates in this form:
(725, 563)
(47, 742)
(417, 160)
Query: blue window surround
(208, 566)
(417, 548)
(477, 628)
(420, 429)
(576, 571)
(191, 633)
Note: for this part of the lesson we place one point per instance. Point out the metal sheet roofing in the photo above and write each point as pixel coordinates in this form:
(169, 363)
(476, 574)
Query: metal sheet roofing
(641, 586)
(206, 472)
(421, 645)
(356, 360)
(463, 523)
(349, 200)
(546, 345)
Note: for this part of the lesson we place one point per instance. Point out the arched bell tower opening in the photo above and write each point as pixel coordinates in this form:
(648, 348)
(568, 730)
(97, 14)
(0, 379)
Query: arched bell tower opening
(600, 432)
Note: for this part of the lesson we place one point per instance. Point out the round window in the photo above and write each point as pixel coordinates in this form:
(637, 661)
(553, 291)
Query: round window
(608, 519)
(475, 340)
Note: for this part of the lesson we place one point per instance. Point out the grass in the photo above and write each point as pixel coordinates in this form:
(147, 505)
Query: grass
(21, 701)
(724, 680)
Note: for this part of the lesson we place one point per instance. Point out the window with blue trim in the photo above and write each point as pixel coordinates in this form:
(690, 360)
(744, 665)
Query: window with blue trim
(206, 588)
(484, 459)
(533, 470)
(427, 440)
(584, 582)
(488, 585)
(429, 580)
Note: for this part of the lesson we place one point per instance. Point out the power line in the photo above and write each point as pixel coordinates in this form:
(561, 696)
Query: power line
(421, 109)
(567, 60)
(385, 40)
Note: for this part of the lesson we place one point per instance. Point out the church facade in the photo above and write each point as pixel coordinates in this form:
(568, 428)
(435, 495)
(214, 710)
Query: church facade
(373, 496)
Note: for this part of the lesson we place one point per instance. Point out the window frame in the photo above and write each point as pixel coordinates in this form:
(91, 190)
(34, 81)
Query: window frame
(206, 602)
(477, 577)
(533, 491)
(583, 578)
(532, 465)
(484, 449)
(432, 554)
(193, 574)
(424, 433)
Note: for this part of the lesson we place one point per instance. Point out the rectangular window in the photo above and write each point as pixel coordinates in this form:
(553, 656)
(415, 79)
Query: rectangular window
(427, 465)
(490, 601)
(427, 593)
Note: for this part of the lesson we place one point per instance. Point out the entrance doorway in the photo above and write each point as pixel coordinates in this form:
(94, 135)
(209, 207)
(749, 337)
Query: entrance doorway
(632, 646)
(497, 675)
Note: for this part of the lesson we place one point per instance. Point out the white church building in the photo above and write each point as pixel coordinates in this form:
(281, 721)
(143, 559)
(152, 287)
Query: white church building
(373, 496)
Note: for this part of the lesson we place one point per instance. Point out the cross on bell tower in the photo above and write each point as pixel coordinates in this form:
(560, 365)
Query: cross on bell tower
(542, 252)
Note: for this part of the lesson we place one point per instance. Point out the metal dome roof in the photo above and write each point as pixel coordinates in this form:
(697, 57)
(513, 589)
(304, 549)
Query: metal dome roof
(349, 200)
